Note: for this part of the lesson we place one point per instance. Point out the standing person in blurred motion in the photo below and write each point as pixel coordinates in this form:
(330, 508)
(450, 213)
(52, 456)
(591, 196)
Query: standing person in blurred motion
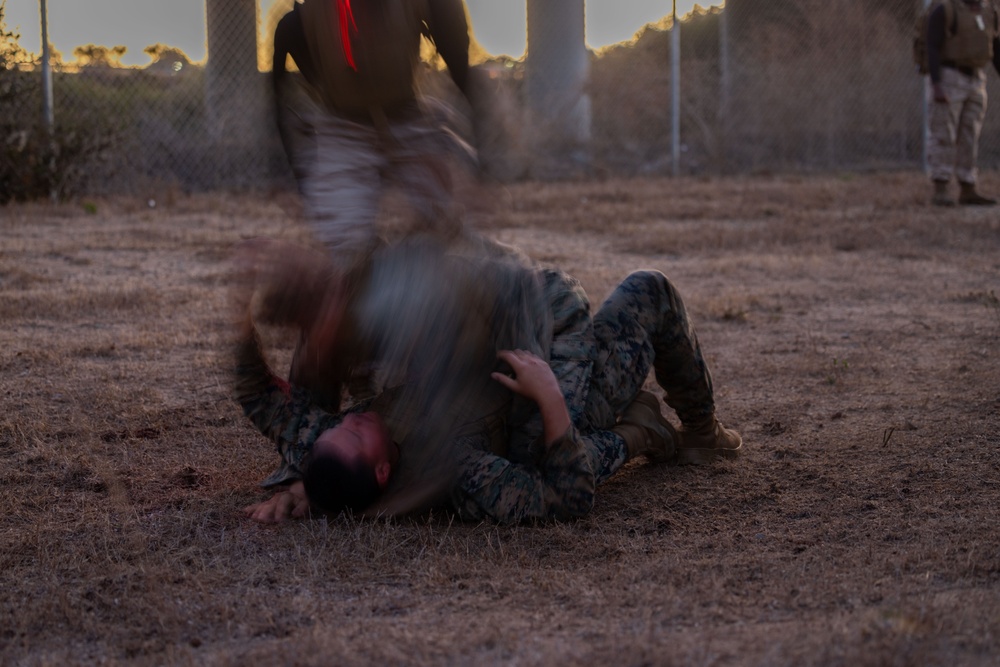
(962, 40)
(366, 128)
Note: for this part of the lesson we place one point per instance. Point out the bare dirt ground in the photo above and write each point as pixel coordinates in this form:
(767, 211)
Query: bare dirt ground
(852, 331)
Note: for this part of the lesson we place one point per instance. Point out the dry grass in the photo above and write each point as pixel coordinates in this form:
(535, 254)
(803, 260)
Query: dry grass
(853, 334)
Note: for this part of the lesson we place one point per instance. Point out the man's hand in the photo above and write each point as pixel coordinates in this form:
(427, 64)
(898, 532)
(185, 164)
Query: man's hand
(534, 379)
(289, 503)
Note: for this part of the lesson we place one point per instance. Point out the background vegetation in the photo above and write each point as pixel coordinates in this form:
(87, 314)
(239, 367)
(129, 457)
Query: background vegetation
(817, 84)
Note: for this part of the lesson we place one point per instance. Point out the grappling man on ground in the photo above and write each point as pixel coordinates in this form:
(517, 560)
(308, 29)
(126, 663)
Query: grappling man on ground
(499, 394)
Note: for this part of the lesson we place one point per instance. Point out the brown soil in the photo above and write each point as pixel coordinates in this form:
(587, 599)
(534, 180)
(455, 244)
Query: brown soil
(852, 331)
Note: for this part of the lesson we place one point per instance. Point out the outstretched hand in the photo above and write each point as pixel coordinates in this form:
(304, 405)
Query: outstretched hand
(288, 503)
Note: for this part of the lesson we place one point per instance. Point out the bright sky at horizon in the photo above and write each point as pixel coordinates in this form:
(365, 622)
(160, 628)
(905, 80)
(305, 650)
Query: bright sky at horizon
(498, 24)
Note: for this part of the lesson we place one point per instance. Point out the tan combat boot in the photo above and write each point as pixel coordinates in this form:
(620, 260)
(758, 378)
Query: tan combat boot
(969, 196)
(707, 441)
(941, 196)
(646, 431)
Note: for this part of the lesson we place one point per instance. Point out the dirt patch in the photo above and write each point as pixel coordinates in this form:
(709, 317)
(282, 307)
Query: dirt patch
(852, 332)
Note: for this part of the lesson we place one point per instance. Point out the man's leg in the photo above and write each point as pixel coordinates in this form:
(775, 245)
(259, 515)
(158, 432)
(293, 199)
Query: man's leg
(643, 325)
(942, 121)
(636, 327)
(970, 125)
(343, 187)
(420, 159)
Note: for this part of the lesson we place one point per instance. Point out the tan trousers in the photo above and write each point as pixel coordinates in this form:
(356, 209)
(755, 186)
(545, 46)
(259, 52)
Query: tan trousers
(353, 164)
(954, 127)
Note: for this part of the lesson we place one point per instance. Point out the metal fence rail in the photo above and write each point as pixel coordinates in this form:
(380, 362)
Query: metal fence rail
(765, 85)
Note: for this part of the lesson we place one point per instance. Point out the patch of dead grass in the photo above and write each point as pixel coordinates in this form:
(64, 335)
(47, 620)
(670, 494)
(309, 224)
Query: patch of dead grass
(124, 461)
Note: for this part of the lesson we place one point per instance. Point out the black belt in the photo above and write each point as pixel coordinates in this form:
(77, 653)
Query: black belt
(967, 71)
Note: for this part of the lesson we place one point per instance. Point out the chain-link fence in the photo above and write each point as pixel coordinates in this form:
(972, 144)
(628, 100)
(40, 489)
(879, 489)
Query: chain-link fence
(771, 85)
(173, 123)
(765, 85)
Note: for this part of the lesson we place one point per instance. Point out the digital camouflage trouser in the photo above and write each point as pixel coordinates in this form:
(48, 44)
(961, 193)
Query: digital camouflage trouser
(642, 326)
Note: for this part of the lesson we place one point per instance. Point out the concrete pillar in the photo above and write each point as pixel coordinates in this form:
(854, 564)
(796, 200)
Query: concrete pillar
(556, 72)
(234, 89)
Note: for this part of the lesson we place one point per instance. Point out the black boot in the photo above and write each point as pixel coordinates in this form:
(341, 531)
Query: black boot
(941, 196)
(969, 197)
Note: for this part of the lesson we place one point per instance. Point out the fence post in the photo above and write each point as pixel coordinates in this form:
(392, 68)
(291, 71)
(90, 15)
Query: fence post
(925, 106)
(724, 81)
(675, 92)
(234, 94)
(556, 72)
(48, 111)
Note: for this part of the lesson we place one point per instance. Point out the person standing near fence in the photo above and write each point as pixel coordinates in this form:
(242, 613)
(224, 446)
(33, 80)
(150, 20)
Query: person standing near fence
(367, 128)
(962, 40)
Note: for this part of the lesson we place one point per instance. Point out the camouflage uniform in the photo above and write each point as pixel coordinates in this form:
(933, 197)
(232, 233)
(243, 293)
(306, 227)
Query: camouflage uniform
(601, 364)
(505, 471)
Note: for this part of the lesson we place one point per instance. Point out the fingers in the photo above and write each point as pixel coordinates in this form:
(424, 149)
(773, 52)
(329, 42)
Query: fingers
(297, 491)
(260, 512)
(505, 355)
(532, 374)
(517, 357)
(506, 380)
(301, 509)
(517, 360)
(284, 508)
(276, 509)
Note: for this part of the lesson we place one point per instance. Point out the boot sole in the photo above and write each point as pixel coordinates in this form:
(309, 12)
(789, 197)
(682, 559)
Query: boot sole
(706, 455)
